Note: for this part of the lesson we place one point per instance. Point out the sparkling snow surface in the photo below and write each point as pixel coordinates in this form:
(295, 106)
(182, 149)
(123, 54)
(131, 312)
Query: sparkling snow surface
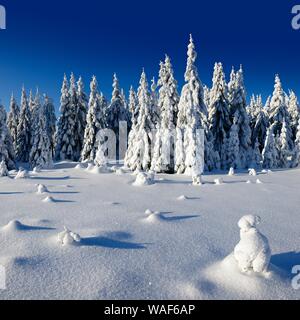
(142, 243)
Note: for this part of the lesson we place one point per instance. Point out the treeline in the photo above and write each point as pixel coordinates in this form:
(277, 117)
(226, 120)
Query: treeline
(236, 135)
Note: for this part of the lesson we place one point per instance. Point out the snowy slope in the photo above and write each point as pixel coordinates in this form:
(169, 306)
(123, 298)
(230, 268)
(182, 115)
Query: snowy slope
(181, 252)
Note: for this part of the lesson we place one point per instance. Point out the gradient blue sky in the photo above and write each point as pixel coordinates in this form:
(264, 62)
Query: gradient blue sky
(44, 39)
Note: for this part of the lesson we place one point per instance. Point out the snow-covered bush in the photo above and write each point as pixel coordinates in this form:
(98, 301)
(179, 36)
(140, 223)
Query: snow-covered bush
(68, 237)
(143, 179)
(3, 169)
(253, 251)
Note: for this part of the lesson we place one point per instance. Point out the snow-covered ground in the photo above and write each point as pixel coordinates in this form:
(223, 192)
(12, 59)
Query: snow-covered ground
(180, 248)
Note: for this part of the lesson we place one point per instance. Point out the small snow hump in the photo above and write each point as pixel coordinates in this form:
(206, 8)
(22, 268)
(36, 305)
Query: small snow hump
(154, 217)
(13, 225)
(218, 181)
(231, 172)
(41, 189)
(22, 174)
(3, 169)
(48, 200)
(67, 237)
(197, 180)
(182, 198)
(37, 169)
(144, 179)
(258, 181)
(253, 252)
(252, 172)
(80, 166)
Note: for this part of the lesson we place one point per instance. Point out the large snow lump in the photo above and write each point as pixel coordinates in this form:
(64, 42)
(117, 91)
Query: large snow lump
(253, 251)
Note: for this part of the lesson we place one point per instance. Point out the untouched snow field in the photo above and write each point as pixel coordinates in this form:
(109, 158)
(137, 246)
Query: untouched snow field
(169, 240)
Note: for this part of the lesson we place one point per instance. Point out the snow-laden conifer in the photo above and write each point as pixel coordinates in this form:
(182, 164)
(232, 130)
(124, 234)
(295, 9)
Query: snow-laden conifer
(192, 116)
(294, 112)
(270, 153)
(23, 145)
(7, 153)
(13, 120)
(65, 143)
(41, 152)
(219, 115)
(163, 157)
(139, 152)
(96, 121)
(49, 110)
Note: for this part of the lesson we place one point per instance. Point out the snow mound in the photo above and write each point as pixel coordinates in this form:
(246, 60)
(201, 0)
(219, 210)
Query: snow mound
(90, 167)
(99, 170)
(14, 225)
(41, 189)
(120, 172)
(154, 217)
(226, 280)
(80, 166)
(248, 182)
(218, 181)
(264, 171)
(148, 211)
(48, 200)
(3, 169)
(37, 169)
(231, 172)
(182, 198)
(144, 179)
(252, 172)
(253, 252)
(114, 168)
(197, 180)
(258, 181)
(22, 174)
(67, 237)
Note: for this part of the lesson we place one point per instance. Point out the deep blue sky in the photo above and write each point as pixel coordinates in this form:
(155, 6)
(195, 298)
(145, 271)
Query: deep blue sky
(44, 39)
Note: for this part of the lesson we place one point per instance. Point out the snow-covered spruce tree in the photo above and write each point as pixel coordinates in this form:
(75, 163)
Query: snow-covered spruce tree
(96, 120)
(133, 106)
(238, 109)
(138, 155)
(267, 104)
(219, 116)
(206, 93)
(41, 152)
(117, 112)
(233, 145)
(259, 124)
(278, 110)
(49, 110)
(81, 115)
(65, 142)
(7, 153)
(13, 120)
(256, 156)
(270, 153)
(155, 112)
(164, 149)
(284, 151)
(192, 116)
(296, 155)
(23, 146)
(294, 112)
